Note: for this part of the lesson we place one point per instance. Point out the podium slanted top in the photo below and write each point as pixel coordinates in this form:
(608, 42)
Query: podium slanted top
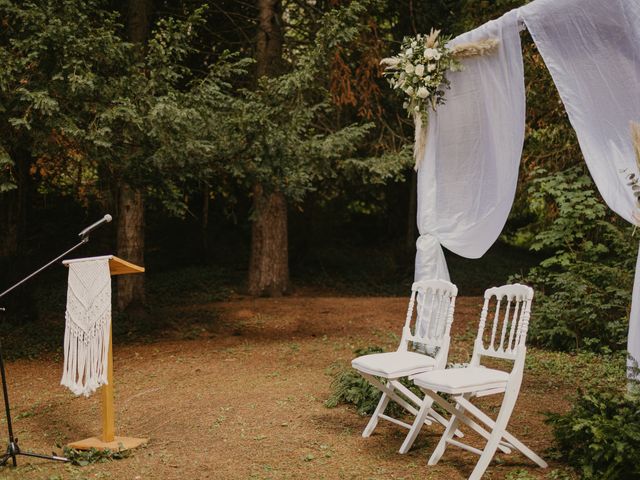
(117, 266)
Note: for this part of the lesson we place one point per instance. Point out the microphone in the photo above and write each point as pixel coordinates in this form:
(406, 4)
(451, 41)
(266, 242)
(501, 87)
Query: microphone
(106, 219)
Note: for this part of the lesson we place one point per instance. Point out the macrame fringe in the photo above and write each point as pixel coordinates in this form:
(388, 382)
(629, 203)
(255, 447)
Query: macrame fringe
(85, 358)
(87, 327)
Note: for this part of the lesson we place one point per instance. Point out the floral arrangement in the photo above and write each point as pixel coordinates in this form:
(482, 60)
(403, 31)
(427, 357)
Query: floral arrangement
(419, 70)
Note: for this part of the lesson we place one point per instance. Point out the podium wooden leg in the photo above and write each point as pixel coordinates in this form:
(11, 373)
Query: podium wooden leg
(108, 409)
(108, 440)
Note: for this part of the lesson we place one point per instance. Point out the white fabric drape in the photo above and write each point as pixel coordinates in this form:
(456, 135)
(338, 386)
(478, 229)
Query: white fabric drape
(468, 176)
(592, 49)
(88, 325)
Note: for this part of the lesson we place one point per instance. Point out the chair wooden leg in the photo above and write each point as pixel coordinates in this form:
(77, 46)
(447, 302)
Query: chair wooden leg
(417, 425)
(464, 419)
(508, 403)
(521, 447)
(447, 435)
(382, 405)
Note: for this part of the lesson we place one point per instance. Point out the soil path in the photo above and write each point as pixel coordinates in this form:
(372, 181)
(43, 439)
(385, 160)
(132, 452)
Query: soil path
(244, 399)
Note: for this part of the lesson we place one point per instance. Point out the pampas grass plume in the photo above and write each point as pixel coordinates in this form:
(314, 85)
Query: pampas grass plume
(635, 138)
(473, 49)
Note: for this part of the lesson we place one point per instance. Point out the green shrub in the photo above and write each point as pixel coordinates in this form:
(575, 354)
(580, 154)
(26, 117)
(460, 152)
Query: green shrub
(583, 307)
(349, 387)
(583, 287)
(600, 435)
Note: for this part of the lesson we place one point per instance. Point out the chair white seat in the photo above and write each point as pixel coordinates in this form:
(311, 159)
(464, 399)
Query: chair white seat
(462, 380)
(428, 323)
(393, 364)
(505, 339)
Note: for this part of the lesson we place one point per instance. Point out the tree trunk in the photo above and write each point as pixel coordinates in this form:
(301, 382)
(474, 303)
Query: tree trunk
(269, 264)
(9, 223)
(130, 246)
(139, 20)
(269, 40)
(130, 238)
(13, 208)
(15, 261)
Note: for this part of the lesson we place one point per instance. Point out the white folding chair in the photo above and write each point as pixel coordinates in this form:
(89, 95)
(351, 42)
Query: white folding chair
(505, 340)
(433, 302)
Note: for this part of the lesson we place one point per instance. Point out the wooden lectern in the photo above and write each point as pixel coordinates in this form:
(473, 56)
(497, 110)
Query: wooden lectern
(109, 440)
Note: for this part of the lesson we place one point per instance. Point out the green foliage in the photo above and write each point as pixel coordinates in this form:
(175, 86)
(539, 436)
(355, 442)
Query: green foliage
(600, 435)
(349, 387)
(585, 306)
(577, 226)
(583, 369)
(82, 458)
(195, 285)
(96, 110)
(57, 58)
(6, 175)
(289, 139)
(584, 285)
(389, 167)
(519, 474)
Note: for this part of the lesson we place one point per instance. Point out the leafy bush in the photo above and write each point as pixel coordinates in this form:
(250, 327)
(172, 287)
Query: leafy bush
(584, 286)
(583, 307)
(349, 387)
(600, 435)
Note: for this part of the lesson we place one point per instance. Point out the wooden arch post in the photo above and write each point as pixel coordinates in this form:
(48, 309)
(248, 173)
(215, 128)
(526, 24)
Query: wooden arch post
(108, 439)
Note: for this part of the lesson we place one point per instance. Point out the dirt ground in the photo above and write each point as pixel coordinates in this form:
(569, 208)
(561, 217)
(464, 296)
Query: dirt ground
(244, 399)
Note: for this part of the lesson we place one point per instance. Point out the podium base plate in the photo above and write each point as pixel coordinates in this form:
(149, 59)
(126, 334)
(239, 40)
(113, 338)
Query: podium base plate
(118, 444)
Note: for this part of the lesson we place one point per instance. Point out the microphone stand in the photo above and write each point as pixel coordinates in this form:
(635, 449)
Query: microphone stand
(13, 449)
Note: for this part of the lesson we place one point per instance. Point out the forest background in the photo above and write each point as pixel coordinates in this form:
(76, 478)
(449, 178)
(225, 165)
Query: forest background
(254, 148)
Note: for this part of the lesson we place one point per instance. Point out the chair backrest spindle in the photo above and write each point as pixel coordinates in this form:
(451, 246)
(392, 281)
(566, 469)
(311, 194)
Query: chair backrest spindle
(430, 314)
(512, 322)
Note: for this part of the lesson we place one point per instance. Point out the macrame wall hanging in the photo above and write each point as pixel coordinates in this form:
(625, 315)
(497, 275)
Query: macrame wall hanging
(88, 325)
(419, 71)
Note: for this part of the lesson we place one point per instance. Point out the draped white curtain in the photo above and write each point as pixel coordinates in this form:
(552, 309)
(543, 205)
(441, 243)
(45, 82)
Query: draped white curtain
(467, 178)
(592, 49)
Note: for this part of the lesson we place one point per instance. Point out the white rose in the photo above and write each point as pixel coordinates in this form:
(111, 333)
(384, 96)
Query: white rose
(423, 92)
(419, 70)
(430, 53)
(409, 90)
(409, 52)
(437, 55)
(409, 68)
(431, 67)
(427, 78)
